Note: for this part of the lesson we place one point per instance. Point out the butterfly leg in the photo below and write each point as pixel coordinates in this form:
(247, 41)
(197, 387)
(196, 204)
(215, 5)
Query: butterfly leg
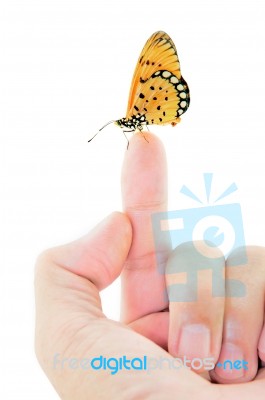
(140, 129)
(124, 132)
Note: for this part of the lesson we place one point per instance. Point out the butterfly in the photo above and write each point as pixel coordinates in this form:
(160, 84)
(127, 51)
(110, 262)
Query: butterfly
(159, 94)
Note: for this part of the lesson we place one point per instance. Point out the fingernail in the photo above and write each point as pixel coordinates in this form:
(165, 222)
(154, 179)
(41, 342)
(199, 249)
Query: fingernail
(194, 341)
(230, 364)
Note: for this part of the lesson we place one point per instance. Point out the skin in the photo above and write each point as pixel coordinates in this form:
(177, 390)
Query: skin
(70, 323)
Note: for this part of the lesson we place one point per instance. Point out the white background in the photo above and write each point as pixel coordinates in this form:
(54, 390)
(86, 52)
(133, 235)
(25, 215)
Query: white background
(65, 70)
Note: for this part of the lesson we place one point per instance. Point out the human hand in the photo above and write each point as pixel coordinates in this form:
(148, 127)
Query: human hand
(71, 327)
(70, 321)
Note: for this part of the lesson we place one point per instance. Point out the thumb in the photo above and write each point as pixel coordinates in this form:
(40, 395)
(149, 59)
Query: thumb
(68, 278)
(99, 256)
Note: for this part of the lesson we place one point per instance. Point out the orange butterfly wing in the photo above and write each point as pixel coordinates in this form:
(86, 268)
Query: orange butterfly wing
(158, 90)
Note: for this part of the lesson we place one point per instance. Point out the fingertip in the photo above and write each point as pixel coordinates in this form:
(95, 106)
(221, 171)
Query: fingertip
(144, 171)
(144, 137)
(118, 218)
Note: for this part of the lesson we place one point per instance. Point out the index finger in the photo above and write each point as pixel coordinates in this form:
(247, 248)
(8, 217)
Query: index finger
(144, 192)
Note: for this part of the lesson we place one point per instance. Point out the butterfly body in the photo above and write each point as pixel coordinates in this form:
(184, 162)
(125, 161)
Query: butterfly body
(137, 121)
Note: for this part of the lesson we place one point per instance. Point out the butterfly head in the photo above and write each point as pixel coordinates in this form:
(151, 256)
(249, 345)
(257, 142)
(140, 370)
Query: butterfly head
(121, 122)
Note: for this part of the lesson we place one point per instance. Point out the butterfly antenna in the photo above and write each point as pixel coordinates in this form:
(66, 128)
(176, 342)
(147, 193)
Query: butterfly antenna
(110, 122)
